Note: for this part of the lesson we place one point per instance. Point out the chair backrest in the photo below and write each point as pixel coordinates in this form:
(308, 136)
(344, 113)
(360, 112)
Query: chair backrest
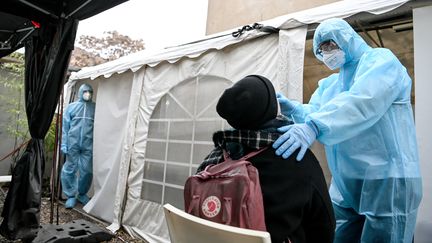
(186, 228)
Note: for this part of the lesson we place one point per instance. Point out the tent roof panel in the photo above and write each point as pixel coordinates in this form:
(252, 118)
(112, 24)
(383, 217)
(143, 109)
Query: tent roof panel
(341, 9)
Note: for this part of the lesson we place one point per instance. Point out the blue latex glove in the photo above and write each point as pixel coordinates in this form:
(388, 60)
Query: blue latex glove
(295, 136)
(64, 149)
(287, 107)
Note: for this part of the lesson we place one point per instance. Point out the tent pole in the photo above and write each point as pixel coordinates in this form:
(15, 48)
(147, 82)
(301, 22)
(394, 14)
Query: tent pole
(24, 37)
(367, 33)
(38, 8)
(60, 125)
(55, 163)
(379, 38)
(77, 9)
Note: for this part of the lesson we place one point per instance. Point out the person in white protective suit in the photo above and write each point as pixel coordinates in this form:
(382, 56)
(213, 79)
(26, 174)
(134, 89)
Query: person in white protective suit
(364, 117)
(77, 145)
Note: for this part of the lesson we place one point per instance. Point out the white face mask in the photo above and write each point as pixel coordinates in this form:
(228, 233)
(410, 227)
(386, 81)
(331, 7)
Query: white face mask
(86, 96)
(334, 59)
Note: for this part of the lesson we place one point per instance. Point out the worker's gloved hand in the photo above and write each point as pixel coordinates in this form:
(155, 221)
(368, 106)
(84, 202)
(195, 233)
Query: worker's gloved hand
(287, 107)
(295, 136)
(64, 150)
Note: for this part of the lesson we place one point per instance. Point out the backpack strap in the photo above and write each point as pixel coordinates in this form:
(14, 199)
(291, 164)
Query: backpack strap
(213, 170)
(227, 165)
(252, 154)
(247, 156)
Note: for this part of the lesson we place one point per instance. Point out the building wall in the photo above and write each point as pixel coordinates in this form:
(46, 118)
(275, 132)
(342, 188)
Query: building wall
(228, 14)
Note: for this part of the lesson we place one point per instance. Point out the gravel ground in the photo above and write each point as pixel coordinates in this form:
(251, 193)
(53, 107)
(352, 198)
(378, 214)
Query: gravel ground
(67, 216)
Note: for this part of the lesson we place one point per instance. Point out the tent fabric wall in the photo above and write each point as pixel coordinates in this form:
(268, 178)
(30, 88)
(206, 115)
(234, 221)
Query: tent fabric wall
(258, 56)
(290, 82)
(111, 111)
(423, 86)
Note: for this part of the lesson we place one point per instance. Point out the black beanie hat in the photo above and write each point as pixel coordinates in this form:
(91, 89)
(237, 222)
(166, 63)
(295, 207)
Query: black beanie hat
(249, 103)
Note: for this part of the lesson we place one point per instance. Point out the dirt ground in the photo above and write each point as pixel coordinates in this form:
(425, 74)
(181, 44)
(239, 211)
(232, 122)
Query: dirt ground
(67, 216)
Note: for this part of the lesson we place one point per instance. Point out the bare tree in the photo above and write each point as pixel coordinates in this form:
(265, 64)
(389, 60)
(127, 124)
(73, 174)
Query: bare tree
(92, 50)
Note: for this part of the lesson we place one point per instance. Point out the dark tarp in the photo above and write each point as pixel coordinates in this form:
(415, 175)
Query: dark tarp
(48, 42)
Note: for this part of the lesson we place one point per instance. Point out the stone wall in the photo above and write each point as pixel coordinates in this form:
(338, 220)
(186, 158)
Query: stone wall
(227, 14)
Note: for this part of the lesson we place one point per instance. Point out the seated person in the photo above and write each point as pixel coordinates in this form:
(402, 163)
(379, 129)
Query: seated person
(296, 201)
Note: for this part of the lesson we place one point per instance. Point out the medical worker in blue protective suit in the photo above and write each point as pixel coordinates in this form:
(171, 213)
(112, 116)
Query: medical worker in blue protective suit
(77, 145)
(364, 118)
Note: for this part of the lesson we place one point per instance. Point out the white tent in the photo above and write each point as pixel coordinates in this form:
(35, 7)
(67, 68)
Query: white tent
(155, 111)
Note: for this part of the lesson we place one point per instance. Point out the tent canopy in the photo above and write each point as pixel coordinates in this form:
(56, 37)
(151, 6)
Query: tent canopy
(16, 17)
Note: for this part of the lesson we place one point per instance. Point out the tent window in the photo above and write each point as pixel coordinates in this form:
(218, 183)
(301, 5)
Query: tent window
(155, 171)
(158, 130)
(180, 136)
(181, 130)
(176, 174)
(156, 150)
(200, 152)
(204, 130)
(179, 152)
(174, 196)
(152, 192)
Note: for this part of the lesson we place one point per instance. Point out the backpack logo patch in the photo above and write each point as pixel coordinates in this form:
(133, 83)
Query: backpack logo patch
(211, 206)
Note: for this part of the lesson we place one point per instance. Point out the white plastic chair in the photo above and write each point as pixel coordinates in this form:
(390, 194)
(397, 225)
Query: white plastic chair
(186, 228)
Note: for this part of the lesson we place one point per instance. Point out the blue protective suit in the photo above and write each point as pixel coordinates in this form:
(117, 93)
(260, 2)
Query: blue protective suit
(77, 144)
(365, 120)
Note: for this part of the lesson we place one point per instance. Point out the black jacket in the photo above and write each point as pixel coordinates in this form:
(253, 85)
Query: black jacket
(296, 200)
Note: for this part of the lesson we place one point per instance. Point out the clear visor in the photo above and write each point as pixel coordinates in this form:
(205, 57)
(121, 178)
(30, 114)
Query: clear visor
(326, 46)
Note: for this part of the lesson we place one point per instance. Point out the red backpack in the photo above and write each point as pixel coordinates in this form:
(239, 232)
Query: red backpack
(227, 193)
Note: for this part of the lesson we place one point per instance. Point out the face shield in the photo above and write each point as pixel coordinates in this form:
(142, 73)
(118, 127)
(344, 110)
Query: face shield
(326, 47)
(332, 56)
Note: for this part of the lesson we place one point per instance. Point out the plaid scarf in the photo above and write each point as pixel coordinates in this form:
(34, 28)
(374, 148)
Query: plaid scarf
(234, 142)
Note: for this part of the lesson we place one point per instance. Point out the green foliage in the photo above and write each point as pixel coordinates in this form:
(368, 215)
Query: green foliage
(50, 136)
(13, 102)
(16, 66)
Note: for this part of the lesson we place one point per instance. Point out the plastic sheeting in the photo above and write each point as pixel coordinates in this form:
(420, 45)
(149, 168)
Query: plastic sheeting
(43, 84)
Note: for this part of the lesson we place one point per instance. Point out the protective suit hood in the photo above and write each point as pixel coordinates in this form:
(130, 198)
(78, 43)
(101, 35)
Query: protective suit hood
(343, 35)
(82, 89)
